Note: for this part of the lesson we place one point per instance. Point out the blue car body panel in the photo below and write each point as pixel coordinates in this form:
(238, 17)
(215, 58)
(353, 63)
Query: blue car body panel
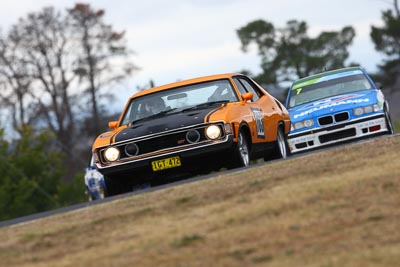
(334, 104)
(94, 183)
(335, 118)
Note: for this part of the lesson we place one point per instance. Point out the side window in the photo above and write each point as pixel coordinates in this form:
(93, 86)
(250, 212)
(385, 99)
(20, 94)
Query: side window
(240, 87)
(250, 88)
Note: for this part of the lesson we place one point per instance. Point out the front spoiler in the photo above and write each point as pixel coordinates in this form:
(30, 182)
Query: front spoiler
(353, 129)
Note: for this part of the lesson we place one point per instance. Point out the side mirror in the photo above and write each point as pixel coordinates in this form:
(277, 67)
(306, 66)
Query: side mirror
(247, 97)
(113, 125)
(379, 85)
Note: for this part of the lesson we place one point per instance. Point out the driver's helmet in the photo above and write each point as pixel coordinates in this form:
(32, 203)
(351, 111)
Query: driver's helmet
(154, 105)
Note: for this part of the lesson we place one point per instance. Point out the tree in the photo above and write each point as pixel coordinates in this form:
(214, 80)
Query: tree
(100, 47)
(31, 170)
(52, 65)
(289, 53)
(45, 50)
(14, 81)
(387, 41)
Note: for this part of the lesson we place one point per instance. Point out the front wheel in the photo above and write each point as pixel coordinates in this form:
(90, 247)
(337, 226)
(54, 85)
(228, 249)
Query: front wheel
(242, 155)
(388, 120)
(113, 187)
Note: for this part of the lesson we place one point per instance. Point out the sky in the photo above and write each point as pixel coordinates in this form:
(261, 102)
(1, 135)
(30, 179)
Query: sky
(181, 39)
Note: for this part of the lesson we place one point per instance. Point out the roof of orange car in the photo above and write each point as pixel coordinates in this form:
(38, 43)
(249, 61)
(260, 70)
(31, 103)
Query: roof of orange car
(185, 82)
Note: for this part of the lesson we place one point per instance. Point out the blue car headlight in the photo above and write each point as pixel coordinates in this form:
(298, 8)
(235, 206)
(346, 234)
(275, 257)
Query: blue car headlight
(303, 124)
(365, 110)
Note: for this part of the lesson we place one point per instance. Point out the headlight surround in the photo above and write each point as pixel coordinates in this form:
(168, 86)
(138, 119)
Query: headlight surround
(111, 154)
(365, 110)
(132, 149)
(213, 132)
(303, 124)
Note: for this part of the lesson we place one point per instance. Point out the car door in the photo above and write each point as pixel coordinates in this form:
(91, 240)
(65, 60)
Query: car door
(262, 109)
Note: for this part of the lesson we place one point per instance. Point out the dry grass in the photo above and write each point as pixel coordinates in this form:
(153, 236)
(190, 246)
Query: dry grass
(334, 208)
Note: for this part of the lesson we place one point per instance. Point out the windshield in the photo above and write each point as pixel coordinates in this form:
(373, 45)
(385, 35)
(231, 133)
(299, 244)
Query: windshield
(177, 99)
(308, 93)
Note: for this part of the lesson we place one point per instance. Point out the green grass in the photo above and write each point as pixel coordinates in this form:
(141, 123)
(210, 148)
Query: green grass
(333, 208)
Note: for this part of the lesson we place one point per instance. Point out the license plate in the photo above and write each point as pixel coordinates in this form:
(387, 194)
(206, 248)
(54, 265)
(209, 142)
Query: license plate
(159, 165)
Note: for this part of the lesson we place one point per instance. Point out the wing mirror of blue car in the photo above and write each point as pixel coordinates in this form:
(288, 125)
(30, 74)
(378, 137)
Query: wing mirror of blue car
(113, 125)
(379, 86)
(247, 97)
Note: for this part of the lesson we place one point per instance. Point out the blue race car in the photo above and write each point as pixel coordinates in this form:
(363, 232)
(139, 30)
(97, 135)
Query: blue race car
(335, 106)
(94, 183)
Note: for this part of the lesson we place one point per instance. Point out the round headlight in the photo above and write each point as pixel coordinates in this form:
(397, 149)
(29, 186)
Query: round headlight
(193, 136)
(298, 125)
(368, 109)
(213, 132)
(132, 149)
(358, 111)
(308, 123)
(111, 154)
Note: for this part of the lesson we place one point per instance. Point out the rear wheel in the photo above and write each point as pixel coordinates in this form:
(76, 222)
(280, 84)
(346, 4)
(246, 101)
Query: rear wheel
(281, 150)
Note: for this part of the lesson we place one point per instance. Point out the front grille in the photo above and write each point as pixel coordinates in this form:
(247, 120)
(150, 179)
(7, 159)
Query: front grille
(160, 142)
(337, 135)
(326, 120)
(339, 117)
(344, 116)
(168, 140)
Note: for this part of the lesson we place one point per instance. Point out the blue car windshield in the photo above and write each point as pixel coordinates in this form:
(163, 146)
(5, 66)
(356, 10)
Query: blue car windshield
(333, 87)
(178, 99)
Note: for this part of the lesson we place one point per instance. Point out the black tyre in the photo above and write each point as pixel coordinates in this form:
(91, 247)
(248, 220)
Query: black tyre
(242, 152)
(388, 120)
(112, 187)
(90, 198)
(281, 150)
(102, 193)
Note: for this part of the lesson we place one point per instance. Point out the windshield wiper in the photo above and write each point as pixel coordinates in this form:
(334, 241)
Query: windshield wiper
(206, 104)
(160, 114)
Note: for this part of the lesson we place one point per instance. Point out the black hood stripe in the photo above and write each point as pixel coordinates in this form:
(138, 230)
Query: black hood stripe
(112, 139)
(165, 123)
(213, 111)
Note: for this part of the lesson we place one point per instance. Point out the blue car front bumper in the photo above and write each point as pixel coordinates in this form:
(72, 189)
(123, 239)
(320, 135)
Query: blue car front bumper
(324, 136)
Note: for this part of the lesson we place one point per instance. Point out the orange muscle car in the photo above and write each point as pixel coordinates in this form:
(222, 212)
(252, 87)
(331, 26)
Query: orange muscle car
(191, 127)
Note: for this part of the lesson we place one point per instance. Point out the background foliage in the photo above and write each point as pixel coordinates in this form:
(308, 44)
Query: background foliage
(31, 176)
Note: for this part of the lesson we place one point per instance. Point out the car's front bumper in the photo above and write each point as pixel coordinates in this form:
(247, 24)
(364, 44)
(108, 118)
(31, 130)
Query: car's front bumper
(325, 136)
(192, 158)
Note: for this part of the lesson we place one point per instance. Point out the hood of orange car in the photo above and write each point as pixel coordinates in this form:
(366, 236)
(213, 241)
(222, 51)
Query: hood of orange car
(165, 123)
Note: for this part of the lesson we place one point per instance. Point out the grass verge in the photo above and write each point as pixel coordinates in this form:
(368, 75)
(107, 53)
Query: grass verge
(333, 208)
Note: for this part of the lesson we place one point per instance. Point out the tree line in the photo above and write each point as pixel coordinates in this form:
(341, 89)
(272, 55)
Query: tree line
(288, 53)
(57, 74)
